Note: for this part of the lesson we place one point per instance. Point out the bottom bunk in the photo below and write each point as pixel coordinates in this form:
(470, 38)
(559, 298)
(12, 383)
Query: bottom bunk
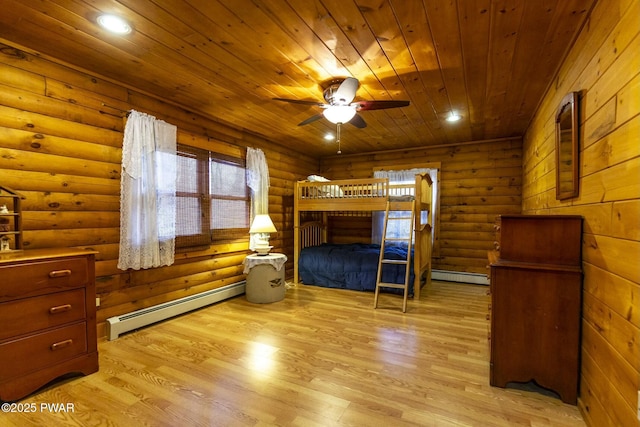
(352, 266)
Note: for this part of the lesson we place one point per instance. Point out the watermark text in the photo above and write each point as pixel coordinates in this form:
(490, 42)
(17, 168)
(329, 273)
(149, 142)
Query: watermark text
(53, 407)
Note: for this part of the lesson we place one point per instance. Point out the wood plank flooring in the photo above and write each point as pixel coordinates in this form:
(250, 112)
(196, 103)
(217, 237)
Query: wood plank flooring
(321, 357)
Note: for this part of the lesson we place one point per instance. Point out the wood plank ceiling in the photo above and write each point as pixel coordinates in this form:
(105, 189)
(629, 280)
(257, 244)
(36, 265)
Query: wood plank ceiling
(488, 60)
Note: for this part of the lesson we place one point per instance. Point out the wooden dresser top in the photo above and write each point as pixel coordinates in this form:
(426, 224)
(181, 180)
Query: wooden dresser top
(36, 254)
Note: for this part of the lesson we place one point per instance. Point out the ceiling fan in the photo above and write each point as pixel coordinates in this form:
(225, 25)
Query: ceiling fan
(340, 107)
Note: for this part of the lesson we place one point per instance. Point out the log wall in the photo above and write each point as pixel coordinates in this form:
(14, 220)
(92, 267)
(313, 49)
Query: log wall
(479, 181)
(61, 135)
(604, 66)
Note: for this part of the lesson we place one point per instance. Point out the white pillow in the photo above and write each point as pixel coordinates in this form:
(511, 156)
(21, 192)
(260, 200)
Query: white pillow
(317, 178)
(325, 190)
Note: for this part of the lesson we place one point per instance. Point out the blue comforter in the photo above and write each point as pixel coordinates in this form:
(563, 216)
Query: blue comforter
(351, 266)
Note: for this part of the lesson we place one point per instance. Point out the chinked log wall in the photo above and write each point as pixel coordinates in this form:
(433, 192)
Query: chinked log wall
(603, 66)
(478, 181)
(60, 146)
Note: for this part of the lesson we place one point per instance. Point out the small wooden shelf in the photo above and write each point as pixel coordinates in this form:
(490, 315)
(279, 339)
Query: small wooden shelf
(11, 221)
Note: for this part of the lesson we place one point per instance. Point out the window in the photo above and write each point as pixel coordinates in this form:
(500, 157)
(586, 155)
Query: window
(404, 175)
(192, 207)
(230, 200)
(212, 198)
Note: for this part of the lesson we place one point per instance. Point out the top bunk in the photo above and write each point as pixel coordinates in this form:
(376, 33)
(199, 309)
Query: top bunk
(365, 194)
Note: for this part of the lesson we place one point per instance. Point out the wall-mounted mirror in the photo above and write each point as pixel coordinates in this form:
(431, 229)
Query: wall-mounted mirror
(567, 147)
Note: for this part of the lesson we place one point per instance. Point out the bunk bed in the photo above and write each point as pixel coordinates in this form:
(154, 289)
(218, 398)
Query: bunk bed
(319, 199)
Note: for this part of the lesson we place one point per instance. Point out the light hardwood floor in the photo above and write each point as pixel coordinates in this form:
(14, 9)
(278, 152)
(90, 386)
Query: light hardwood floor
(321, 357)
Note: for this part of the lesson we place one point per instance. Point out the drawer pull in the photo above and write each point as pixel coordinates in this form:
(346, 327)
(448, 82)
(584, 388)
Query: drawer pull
(61, 344)
(60, 309)
(59, 273)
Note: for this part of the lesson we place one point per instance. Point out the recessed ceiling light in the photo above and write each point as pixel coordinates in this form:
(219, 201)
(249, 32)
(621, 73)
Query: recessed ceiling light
(114, 23)
(453, 117)
(329, 137)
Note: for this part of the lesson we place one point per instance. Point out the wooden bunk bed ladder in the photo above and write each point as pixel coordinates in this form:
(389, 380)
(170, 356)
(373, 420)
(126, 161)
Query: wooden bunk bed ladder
(407, 262)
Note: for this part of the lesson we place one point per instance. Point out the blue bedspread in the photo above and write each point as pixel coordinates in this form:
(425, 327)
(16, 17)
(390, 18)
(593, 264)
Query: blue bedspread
(351, 266)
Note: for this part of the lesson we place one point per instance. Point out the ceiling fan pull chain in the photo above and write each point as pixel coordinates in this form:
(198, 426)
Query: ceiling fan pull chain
(338, 137)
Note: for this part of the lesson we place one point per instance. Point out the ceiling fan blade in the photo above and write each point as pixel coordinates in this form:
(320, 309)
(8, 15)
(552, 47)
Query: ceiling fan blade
(379, 105)
(311, 119)
(358, 122)
(346, 91)
(300, 101)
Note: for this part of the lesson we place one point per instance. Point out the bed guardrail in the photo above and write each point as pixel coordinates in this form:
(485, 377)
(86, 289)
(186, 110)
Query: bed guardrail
(352, 188)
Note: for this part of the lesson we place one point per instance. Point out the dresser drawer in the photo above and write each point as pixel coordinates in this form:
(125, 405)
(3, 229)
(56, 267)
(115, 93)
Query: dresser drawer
(24, 355)
(27, 315)
(36, 278)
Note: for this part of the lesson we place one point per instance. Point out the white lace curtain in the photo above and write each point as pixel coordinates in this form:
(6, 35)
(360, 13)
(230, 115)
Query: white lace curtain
(258, 182)
(398, 229)
(147, 193)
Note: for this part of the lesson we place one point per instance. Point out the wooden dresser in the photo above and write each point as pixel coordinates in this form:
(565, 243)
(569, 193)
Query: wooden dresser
(536, 299)
(47, 318)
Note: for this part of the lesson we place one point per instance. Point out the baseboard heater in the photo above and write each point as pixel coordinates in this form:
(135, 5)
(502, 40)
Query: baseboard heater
(136, 319)
(459, 276)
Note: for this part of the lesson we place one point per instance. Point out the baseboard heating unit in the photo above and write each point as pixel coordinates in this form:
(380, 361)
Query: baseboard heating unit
(136, 319)
(459, 276)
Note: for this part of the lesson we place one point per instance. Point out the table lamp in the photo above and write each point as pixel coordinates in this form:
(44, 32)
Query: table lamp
(262, 226)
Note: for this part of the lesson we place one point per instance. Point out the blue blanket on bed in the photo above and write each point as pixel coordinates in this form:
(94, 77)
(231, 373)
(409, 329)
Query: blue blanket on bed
(353, 266)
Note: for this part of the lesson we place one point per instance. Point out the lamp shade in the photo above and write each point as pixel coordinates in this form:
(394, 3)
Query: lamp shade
(262, 224)
(339, 113)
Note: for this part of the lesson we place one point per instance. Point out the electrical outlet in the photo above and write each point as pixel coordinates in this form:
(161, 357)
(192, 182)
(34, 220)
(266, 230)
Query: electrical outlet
(97, 301)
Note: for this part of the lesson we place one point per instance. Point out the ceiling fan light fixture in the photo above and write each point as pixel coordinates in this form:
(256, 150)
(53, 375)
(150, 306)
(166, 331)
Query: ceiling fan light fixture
(114, 24)
(339, 113)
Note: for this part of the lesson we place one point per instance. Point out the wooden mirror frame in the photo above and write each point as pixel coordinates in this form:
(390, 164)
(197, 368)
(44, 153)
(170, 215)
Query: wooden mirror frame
(567, 147)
